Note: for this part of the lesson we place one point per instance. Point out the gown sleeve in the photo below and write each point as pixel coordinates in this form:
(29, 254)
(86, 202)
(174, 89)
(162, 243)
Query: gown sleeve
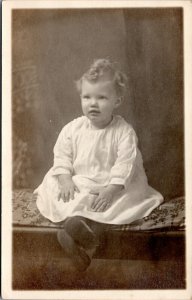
(63, 153)
(123, 169)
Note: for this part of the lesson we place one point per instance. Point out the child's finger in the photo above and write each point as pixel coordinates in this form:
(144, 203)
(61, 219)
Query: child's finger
(72, 194)
(95, 202)
(59, 196)
(101, 207)
(66, 196)
(63, 196)
(105, 207)
(98, 204)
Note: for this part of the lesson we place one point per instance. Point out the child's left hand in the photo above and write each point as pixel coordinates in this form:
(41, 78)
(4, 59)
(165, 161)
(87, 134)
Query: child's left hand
(104, 199)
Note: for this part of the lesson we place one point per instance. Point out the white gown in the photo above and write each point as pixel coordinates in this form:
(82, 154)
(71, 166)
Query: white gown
(96, 158)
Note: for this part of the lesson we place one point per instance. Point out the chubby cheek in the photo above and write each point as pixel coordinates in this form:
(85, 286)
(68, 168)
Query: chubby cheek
(107, 109)
(84, 107)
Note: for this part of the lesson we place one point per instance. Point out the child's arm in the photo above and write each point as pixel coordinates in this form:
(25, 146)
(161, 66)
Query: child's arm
(63, 152)
(62, 167)
(127, 152)
(121, 172)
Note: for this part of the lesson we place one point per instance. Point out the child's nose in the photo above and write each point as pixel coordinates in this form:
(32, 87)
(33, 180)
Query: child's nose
(93, 101)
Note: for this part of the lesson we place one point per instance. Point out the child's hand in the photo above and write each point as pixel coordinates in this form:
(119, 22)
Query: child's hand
(67, 188)
(105, 196)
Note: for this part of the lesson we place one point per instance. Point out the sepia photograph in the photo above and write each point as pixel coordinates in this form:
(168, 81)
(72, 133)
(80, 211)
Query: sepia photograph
(95, 127)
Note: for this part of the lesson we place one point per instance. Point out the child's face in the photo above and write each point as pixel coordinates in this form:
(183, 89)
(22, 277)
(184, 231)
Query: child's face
(98, 100)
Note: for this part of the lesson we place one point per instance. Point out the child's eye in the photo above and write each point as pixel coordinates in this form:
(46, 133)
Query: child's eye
(102, 97)
(86, 97)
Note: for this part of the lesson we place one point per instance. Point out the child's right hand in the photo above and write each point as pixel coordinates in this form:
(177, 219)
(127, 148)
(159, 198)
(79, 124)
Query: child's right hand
(67, 188)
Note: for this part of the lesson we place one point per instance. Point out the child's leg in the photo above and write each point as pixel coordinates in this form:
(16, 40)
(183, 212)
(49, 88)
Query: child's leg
(80, 230)
(78, 256)
(79, 238)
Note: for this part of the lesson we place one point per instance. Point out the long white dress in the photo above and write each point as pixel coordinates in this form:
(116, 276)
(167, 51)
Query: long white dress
(96, 158)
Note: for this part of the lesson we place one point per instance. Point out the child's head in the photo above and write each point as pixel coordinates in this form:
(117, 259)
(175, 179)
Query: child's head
(102, 70)
(101, 88)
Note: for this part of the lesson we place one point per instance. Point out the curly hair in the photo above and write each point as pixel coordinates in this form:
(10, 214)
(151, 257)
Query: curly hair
(104, 69)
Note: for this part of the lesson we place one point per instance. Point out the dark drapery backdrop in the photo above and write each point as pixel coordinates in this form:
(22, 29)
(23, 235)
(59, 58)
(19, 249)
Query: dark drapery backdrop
(52, 48)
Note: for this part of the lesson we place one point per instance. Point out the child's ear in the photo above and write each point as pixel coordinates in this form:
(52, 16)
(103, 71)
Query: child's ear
(118, 102)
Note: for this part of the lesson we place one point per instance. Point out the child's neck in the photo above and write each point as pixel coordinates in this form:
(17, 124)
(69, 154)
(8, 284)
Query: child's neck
(100, 126)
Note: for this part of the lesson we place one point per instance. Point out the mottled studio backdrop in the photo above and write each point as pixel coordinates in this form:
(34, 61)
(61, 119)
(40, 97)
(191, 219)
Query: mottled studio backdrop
(52, 48)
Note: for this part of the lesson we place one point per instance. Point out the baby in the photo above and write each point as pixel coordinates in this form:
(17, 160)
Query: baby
(97, 176)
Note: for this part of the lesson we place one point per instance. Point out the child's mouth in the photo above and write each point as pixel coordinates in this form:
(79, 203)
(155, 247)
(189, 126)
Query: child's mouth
(94, 112)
